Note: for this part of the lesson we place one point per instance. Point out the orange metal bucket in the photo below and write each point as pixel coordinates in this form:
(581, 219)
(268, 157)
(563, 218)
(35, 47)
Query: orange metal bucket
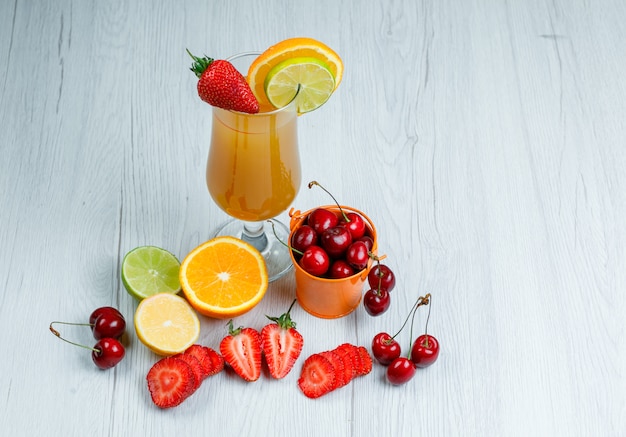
(323, 297)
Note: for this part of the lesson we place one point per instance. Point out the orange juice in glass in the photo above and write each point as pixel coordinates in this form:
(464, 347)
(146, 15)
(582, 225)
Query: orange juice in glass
(253, 174)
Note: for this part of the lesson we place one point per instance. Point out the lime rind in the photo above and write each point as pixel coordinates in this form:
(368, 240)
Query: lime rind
(148, 270)
(313, 76)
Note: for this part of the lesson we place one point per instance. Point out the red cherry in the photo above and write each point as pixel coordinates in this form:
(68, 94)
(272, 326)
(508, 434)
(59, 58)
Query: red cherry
(98, 311)
(369, 242)
(336, 240)
(304, 237)
(376, 302)
(107, 352)
(340, 269)
(315, 261)
(321, 219)
(425, 351)
(357, 255)
(109, 324)
(400, 371)
(381, 276)
(355, 224)
(385, 348)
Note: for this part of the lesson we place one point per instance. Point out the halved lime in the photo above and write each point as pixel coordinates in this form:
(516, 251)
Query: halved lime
(148, 270)
(315, 79)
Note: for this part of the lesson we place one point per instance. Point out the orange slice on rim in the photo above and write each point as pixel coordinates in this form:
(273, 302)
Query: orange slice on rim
(289, 49)
(224, 277)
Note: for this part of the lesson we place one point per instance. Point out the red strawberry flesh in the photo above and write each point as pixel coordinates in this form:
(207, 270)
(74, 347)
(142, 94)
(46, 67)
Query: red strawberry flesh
(242, 351)
(217, 361)
(366, 361)
(170, 382)
(317, 377)
(282, 345)
(196, 367)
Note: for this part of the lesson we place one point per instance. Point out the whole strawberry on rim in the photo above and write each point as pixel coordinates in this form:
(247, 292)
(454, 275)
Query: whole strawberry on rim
(220, 84)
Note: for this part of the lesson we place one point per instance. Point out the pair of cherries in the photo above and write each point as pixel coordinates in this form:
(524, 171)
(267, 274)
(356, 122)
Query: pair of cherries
(424, 351)
(381, 280)
(108, 326)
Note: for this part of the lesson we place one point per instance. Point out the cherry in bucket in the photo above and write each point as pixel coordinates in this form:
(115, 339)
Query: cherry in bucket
(351, 221)
(313, 260)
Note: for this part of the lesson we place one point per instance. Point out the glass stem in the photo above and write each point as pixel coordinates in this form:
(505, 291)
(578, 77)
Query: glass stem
(254, 233)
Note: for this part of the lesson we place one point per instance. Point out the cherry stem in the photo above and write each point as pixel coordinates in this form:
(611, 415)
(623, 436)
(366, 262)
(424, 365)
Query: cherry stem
(426, 344)
(345, 217)
(281, 241)
(379, 273)
(424, 301)
(55, 332)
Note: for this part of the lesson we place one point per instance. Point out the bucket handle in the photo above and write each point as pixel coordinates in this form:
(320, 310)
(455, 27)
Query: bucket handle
(295, 216)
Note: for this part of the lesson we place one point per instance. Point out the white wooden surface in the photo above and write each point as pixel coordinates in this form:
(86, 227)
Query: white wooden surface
(486, 139)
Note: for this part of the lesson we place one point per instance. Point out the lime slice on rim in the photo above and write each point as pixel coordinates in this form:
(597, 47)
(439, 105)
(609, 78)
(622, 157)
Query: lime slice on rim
(315, 79)
(148, 270)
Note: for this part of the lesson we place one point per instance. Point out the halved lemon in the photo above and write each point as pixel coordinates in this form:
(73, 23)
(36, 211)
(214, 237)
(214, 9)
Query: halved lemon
(166, 323)
(224, 277)
(311, 76)
(291, 48)
(148, 270)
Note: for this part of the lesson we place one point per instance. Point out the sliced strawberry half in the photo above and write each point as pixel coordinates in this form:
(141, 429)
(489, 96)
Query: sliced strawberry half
(282, 344)
(170, 382)
(241, 349)
(317, 377)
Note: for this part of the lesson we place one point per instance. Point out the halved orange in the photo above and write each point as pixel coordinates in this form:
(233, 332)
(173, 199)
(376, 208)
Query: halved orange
(291, 48)
(224, 277)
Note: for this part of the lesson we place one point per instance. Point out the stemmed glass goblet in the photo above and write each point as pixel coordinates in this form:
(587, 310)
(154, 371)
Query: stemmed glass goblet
(253, 174)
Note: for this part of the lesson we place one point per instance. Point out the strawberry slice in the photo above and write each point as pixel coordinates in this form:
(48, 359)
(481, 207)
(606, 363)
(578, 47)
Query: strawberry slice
(196, 367)
(282, 344)
(241, 350)
(217, 361)
(317, 377)
(341, 378)
(344, 351)
(202, 356)
(366, 361)
(211, 361)
(170, 382)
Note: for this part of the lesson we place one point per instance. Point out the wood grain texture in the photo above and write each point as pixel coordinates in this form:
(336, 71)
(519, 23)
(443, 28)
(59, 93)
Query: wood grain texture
(485, 139)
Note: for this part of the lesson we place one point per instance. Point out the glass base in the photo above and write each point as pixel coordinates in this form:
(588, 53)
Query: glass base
(276, 254)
